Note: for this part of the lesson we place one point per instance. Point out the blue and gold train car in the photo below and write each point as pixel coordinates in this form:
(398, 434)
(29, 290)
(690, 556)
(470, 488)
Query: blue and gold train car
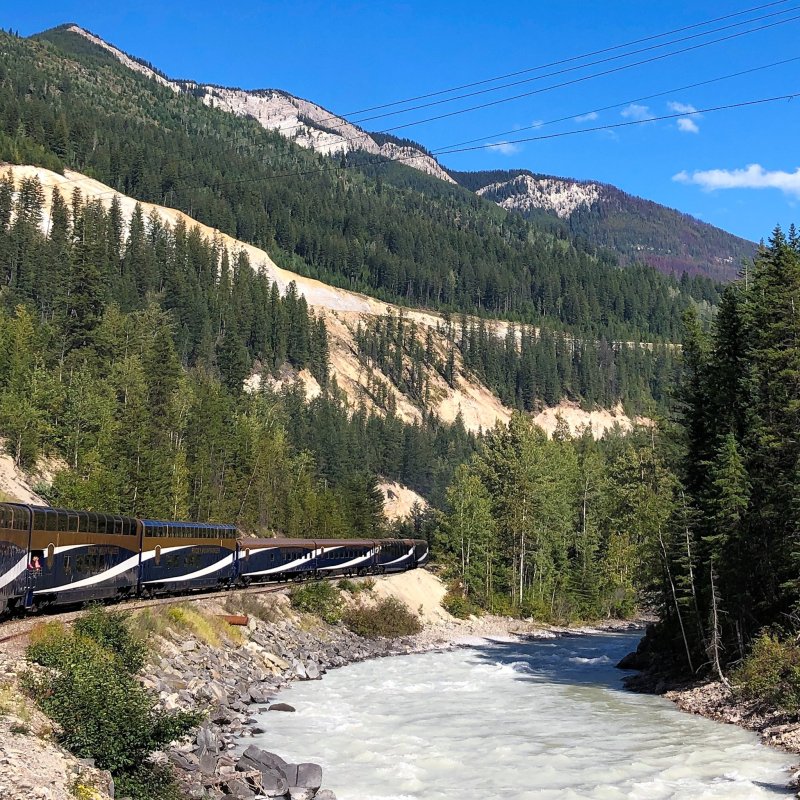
(183, 556)
(14, 557)
(80, 556)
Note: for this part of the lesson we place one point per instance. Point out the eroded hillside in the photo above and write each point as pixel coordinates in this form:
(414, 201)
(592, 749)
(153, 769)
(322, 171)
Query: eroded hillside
(361, 378)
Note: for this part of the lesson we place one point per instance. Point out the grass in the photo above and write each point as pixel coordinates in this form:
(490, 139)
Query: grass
(13, 704)
(207, 627)
(252, 605)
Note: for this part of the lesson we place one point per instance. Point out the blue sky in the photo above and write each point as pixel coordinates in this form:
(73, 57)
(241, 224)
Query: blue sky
(738, 169)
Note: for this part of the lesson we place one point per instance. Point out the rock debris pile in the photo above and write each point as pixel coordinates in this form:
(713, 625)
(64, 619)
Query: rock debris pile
(231, 683)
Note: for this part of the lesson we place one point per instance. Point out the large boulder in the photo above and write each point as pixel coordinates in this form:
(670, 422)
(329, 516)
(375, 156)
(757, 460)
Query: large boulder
(324, 794)
(239, 789)
(309, 776)
(281, 707)
(273, 784)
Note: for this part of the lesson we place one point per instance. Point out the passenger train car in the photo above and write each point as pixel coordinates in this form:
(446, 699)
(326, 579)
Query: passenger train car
(55, 556)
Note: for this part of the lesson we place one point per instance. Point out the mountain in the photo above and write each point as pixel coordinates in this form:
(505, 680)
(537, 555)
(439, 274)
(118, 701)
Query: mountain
(305, 123)
(378, 227)
(604, 216)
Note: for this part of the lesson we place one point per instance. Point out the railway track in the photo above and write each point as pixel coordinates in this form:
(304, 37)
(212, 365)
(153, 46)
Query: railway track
(15, 629)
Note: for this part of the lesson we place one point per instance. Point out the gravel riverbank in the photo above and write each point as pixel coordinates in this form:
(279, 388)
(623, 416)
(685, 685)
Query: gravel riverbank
(232, 674)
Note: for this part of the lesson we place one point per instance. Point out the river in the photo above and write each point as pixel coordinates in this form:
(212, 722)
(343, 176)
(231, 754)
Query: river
(540, 719)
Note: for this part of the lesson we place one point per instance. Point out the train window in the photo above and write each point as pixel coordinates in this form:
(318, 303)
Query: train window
(39, 521)
(51, 555)
(272, 556)
(52, 520)
(91, 523)
(62, 521)
(3, 514)
(67, 565)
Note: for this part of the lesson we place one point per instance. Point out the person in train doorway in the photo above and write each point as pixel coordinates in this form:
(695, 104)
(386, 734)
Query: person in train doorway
(35, 566)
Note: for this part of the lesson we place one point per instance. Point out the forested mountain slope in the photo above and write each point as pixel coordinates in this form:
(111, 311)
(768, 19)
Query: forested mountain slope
(302, 121)
(384, 357)
(376, 226)
(604, 216)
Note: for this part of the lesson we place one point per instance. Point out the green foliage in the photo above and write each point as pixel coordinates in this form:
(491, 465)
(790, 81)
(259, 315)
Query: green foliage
(730, 555)
(457, 604)
(558, 529)
(111, 630)
(389, 618)
(321, 598)
(770, 673)
(102, 710)
(406, 237)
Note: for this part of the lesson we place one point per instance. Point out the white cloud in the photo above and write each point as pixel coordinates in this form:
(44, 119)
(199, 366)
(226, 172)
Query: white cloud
(637, 112)
(537, 123)
(753, 176)
(506, 148)
(591, 116)
(682, 108)
(687, 124)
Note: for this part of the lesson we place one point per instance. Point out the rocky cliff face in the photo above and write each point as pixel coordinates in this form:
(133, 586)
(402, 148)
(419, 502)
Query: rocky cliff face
(302, 121)
(526, 192)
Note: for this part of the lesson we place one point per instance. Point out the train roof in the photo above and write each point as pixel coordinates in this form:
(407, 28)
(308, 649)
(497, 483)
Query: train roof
(152, 523)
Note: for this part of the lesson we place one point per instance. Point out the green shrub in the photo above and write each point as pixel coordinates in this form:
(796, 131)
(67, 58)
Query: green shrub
(770, 673)
(104, 713)
(322, 599)
(356, 587)
(389, 618)
(112, 632)
(459, 606)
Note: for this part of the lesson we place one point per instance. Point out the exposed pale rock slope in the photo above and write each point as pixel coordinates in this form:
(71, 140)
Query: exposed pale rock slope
(302, 121)
(526, 192)
(343, 311)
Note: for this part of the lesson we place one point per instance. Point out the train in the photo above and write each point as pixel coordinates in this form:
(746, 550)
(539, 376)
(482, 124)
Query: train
(52, 557)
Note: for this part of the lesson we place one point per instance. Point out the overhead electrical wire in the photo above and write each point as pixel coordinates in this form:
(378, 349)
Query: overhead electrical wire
(587, 64)
(542, 124)
(584, 78)
(342, 120)
(563, 60)
(572, 82)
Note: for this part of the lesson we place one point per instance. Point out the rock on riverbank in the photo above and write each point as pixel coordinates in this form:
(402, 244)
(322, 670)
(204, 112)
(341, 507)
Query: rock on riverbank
(239, 676)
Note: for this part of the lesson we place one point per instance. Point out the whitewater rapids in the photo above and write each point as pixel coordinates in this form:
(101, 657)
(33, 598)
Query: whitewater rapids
(538, 719)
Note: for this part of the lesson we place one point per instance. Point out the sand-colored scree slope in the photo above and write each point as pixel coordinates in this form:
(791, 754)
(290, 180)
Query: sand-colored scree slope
(343, 311)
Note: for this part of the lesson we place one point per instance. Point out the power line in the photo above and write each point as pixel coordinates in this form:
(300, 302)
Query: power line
(557, 63)
(579, 66)
(629, 123)
(365, 135)
(600, 74)
(536, 126)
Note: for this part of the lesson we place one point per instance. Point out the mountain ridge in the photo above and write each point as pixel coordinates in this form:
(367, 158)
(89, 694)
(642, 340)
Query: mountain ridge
(635, 228)
(603, 215)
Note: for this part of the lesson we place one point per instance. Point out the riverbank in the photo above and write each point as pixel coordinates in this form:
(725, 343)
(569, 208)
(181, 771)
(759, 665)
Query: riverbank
(716, 701)
(232, 673)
